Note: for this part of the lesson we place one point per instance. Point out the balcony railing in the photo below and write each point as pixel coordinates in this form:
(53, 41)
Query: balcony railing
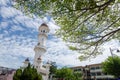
(40, 46)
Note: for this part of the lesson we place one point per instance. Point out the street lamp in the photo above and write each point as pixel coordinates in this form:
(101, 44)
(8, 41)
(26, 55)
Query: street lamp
(111, 51)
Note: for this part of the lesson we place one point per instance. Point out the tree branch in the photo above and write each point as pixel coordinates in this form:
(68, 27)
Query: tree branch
(100, 6)
(110, 25)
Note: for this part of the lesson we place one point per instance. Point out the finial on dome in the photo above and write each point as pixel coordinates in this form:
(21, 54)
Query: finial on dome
(27, 59)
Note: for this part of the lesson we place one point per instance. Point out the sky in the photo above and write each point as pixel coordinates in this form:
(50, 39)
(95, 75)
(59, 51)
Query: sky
(18, 37)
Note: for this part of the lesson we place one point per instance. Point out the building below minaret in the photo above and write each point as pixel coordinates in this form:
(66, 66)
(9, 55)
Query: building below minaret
(40, 50)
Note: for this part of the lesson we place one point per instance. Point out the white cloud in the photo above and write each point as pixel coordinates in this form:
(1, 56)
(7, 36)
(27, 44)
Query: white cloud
(7, 12)
(16, 28)
(4, 2)
(3, 25)
(53, 28)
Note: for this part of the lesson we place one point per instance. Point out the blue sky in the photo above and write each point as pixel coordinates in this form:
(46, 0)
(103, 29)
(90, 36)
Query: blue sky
(18, 36)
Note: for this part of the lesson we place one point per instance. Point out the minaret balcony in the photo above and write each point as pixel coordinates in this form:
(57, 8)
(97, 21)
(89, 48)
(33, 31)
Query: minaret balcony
(43, 34)
(43, 71)
(39, 47)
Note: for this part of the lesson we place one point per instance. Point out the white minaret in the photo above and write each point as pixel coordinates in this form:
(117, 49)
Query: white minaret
(40, 49)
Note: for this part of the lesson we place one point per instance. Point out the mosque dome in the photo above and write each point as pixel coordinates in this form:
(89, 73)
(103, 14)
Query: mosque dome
(44, 28)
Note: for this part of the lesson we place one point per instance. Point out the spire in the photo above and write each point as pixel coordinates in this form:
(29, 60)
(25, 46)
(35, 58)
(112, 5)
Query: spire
(27, 59)
(26, 62)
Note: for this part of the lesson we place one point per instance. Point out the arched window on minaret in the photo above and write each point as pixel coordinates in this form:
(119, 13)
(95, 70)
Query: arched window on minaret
(38, 44)
(43, 31)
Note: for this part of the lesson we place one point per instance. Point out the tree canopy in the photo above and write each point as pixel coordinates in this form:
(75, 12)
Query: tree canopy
(67, 74)
(53, 68)
(77, 76)
(112, 66)
(17, 75)
(85, 24)
(64, 73)
(29, 73)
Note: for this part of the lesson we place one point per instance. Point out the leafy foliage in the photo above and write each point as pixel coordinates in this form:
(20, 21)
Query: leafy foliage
(29, 73)
(64, 73)
(17, 75)
(53, 68)
(85, 24)
(77, 76)
(112, 66)
(67, 74)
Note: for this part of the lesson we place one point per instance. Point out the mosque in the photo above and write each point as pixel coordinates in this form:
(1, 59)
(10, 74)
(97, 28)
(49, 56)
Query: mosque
(40, 50)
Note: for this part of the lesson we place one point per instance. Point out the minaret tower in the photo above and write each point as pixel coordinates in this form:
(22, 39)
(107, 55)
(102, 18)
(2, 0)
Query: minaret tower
(40, 48)
(26, 62)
